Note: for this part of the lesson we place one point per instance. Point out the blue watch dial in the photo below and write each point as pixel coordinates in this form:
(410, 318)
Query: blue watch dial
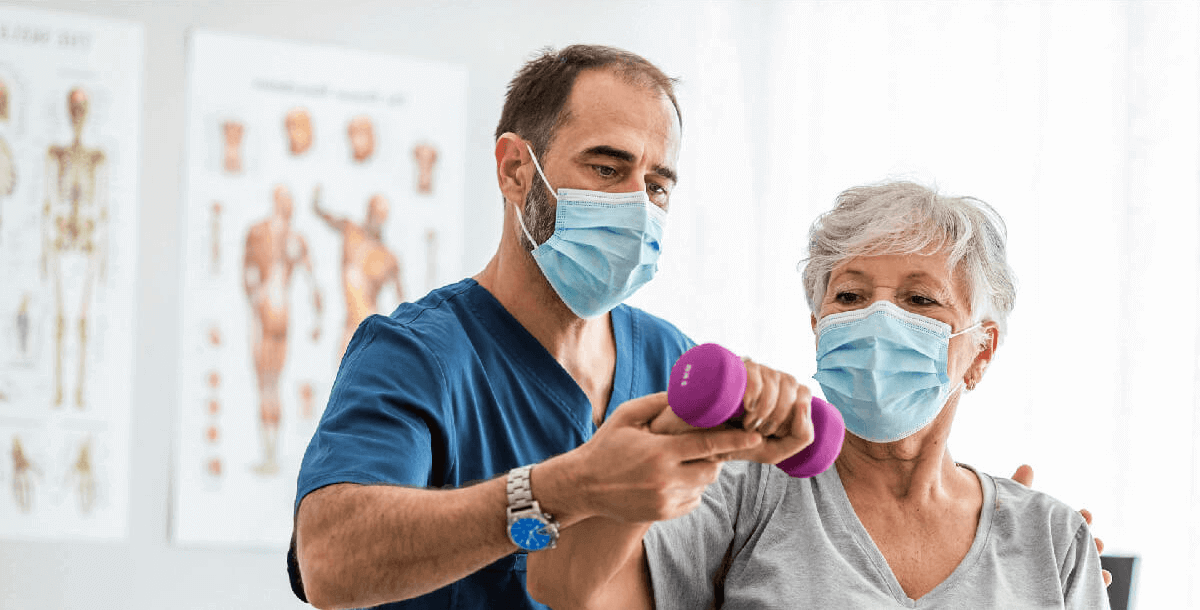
(527, 533)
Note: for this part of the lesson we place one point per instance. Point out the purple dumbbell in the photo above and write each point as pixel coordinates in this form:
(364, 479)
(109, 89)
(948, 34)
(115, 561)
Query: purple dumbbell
(706, 390)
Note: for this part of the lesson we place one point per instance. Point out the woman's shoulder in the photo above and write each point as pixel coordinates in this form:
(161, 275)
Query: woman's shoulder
(1029, 517)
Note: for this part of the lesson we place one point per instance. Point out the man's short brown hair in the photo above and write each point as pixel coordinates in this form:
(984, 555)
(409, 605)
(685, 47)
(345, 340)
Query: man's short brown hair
(535, 105)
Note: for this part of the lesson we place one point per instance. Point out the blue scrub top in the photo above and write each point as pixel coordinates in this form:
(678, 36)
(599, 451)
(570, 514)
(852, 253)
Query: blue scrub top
(452, 390)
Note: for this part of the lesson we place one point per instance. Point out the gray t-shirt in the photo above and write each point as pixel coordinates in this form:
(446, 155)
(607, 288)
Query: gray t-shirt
(762, 539)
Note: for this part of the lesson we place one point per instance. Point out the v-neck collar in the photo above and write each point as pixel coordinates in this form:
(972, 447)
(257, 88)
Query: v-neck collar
(544, 370)
(961, 572)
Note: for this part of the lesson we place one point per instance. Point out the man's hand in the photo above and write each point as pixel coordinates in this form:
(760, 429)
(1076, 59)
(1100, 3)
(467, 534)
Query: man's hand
(777, 407)
(627, 473)
(1024, 476)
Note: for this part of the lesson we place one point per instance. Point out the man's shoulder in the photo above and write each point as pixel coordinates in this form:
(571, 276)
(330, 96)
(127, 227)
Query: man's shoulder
(653, 327)
(436, 310)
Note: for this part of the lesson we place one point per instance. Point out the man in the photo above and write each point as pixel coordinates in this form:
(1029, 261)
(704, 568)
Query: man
(273, 250)
(367, 264)
(517, 367)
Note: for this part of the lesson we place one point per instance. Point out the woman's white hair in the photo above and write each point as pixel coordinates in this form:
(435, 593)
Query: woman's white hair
(909, 218)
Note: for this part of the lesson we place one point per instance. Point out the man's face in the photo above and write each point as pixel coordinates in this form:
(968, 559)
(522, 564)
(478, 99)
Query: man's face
(620, 138)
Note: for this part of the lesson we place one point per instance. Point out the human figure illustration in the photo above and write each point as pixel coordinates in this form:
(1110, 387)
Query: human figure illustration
(74, 237)
(3, 101)
(84, 476)
(23, 472)
(361, 133)
(367, 264)
(233, 131)
(273, 250)
(298, 125)
(426, 157)
(8, 173)
(215, 237)
(23, 327)
(307, 406)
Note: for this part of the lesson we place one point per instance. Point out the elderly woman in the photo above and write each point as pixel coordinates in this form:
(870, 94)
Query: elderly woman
(911, 291)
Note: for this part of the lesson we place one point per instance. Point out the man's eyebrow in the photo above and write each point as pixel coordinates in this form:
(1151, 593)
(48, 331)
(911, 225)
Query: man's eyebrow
(609, 151)
(667, 173)
(628, 157)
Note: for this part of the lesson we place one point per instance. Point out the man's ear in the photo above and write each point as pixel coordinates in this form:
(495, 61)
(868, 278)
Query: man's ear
(514, 169)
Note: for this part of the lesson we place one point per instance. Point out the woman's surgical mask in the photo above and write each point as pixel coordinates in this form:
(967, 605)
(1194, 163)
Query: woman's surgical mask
(885, 369)
(605, 246)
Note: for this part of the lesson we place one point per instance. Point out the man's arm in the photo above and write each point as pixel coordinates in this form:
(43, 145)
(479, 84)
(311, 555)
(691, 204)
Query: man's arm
(366, 545)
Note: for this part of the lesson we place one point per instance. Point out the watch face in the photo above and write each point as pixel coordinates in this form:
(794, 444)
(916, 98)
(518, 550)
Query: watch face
(527, 533)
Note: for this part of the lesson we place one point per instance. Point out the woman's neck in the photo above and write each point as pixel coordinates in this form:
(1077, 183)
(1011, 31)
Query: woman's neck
(916, 470)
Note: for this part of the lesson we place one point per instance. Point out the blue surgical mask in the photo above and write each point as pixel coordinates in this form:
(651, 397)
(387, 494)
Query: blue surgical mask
(885, 369)
(605, 246)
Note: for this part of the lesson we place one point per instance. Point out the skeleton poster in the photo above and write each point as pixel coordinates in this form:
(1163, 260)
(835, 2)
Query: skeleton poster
(323, 185)
(70, 111)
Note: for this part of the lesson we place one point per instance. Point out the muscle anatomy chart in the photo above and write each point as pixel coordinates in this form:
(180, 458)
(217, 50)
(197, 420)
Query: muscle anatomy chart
(301, 220)
(70, 111)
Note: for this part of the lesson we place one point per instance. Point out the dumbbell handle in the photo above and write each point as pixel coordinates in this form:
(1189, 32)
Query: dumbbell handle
(706, 389)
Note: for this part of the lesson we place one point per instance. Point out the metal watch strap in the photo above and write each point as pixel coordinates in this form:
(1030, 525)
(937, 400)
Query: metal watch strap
(520, 492)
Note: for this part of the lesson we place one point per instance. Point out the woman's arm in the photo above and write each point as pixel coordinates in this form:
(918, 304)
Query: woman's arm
(599, 563)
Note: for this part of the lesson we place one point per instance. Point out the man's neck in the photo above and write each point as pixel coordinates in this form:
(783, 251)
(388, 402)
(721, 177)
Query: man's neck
(514, 279)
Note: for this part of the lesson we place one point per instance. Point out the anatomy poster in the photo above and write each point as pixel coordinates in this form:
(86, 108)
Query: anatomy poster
(323, 185)
(70, 110)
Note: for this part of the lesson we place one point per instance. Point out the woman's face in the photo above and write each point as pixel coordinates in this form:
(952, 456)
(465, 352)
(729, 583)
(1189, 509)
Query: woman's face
(920, 283)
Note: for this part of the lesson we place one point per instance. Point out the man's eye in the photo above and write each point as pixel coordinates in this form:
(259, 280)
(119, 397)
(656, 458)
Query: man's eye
(917, 299)
(846, 298)
(604, 171)
(655, 188)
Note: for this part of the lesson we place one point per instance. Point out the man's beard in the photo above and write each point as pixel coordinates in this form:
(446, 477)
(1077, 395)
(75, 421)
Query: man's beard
(539, 216)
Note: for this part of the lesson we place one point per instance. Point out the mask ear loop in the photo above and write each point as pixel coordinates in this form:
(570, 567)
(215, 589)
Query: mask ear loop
(539, 171)
(963, 383)
(517, 208)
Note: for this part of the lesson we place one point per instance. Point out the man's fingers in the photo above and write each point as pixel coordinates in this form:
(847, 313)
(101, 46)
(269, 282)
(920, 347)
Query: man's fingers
(640, 411)
(1024, 475)
(707, 444)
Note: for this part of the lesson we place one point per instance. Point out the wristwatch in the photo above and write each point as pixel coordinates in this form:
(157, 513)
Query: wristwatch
(528, 527)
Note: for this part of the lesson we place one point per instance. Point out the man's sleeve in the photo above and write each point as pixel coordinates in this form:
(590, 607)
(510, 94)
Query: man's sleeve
(1083, 585)
(386, 415)
(688, 556)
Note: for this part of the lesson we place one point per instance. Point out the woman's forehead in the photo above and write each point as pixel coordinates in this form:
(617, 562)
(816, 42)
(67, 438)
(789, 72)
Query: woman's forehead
(896, 266)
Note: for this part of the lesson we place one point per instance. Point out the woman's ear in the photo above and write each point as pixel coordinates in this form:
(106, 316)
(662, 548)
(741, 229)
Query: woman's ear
(511, 173)
(987, 351)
